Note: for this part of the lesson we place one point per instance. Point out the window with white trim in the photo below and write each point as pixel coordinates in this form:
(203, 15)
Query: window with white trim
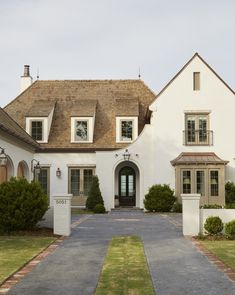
(126, 129)
(37, 127)
(82, 129)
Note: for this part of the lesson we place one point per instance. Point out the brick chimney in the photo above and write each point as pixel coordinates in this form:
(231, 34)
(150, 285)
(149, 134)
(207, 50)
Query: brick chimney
(26, 80)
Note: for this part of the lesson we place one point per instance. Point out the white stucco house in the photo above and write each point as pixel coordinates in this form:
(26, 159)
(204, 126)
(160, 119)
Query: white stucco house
(130, 137)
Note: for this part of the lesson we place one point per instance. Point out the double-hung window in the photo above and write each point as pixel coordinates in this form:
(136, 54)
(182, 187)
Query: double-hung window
(126, 129)
(44, 179)
(82, 129)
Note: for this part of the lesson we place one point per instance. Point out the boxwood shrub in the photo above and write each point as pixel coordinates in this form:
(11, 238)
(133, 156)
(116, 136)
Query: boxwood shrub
(22, 205)
(230, 229)
(213, 225)
(160, 198)
(99, 208)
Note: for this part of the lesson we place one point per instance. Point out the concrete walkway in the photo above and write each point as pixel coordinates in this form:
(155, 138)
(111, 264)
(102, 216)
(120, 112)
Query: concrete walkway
(175, 265)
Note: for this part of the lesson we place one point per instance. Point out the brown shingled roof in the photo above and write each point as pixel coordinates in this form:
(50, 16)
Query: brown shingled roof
(9, 126)
(40, 108)
(197, 158)
(81, 98)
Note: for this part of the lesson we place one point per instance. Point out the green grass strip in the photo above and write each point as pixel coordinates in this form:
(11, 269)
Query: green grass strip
(125, 270)
(15, 251)
(225, 250)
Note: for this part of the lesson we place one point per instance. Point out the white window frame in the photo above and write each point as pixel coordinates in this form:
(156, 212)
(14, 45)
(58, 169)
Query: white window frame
(44, 121)
(90, 129)
(119, 128)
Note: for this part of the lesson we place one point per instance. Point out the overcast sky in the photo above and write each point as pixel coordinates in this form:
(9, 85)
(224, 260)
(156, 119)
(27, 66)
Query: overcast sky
(111, 39)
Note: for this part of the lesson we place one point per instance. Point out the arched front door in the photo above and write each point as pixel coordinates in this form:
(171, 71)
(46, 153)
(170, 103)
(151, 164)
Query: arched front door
(127, 186)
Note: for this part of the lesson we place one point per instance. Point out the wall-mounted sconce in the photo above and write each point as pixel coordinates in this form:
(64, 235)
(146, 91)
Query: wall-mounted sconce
(126, 155)
(3, 157)
(58, 172)
(35, 168)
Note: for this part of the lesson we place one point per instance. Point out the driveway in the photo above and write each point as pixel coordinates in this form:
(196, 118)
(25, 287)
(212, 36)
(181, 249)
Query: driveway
(175, 265)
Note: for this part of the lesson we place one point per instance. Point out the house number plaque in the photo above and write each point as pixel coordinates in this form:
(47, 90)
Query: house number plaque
(60, 202)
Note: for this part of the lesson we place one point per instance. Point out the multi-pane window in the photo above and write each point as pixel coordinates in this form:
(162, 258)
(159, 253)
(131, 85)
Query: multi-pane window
(214, 183)
(200, 182)
(196, 129)
(37, 130)
(81, 130)
(126, 130)
(43, 179)
(80, 180)
(186, 181)
(196, 81)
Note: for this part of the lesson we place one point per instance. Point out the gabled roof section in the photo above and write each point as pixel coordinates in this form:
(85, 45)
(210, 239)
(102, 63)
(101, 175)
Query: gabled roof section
(197, 158)
(41, 108)
(83, 98)
(180, 71)
(127, 107)
(10, 127)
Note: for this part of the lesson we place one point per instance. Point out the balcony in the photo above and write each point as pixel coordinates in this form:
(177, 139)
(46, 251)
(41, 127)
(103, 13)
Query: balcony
(197, 137)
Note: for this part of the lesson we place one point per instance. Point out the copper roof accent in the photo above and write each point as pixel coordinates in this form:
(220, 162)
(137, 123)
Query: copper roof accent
(40, 108)
(10, 127)
(181, 70)
(81, 98)
(127, 107)
(82, 108)
(197, 158)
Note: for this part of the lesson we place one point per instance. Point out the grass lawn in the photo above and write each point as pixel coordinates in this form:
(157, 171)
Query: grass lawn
(78, 211)
(225, 250)
(17, 250)
(125, 270)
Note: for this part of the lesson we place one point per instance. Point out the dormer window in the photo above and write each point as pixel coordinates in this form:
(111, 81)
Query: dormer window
(82, 129)
(37, 130)
(126, 129)
(37, 127)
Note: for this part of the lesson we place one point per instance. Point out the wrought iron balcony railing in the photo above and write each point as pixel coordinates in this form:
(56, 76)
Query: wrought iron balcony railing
(197, 137)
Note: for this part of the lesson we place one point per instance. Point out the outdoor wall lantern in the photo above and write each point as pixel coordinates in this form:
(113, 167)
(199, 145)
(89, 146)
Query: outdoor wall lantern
(126, 155)
(58, 172)
(35, 168)
(3, 157)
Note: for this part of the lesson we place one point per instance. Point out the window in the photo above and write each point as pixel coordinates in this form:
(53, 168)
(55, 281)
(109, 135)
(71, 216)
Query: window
(126, 129)
(82, 129)
(196, 81)
(214, 183)
(186, 181)
(197, 130)
(200, 182)
(80, 180)
(37, 130)
(43, 179)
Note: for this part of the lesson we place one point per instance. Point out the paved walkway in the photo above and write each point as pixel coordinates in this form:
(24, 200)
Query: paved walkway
(175, 265)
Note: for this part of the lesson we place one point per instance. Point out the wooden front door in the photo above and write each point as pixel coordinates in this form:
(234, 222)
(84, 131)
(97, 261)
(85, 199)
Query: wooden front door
(127, 186)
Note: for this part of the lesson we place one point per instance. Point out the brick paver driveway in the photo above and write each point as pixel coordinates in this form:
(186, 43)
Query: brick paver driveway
(175, 265)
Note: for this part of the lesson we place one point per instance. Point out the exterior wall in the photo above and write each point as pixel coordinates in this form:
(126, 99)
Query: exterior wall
(63, 161)
(168, 120)
(17, 154)
(226, 215)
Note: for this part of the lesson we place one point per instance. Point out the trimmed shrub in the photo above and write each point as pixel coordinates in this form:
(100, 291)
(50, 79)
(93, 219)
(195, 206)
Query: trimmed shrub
(230, 228)
(230, 206)
(99, 208)
(213, 225)
(94, 194)
(160, 198)
(229, 192)
(22, 205)
(214, 206)
(177, 207)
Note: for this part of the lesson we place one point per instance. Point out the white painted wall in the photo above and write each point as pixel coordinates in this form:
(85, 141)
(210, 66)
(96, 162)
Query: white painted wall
(17, 154)
(63, 161)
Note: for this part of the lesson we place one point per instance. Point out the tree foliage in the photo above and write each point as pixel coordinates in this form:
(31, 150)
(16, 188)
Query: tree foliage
(94, 194)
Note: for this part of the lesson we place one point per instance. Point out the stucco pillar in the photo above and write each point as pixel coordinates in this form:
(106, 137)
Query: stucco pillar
(62, 214)
(191, 214)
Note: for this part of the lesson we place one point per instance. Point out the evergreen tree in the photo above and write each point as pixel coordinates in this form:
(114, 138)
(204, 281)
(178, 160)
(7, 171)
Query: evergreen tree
(94, 194)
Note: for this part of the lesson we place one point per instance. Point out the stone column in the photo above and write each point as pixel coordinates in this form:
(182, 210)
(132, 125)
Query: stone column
(62, 214)
(191, 214)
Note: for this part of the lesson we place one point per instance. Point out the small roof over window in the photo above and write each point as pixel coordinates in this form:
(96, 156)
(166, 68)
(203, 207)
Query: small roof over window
(83, 107)
(197, 158)
(41, 108)
(127, 107)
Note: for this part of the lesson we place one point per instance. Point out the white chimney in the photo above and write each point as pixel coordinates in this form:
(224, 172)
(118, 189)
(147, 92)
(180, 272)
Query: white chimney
(26, 80)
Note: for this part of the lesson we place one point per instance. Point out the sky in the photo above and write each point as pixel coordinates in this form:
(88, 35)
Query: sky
(112, 39)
